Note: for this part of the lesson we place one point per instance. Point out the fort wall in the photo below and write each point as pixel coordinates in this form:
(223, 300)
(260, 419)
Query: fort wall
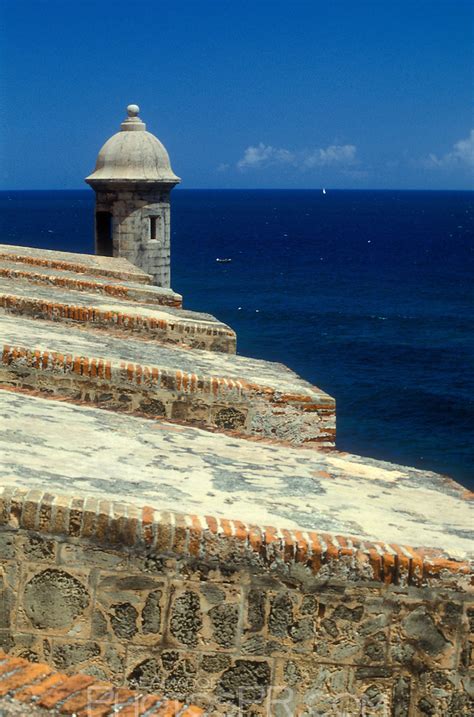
(206, 400)
(230, 616)
(269, 577)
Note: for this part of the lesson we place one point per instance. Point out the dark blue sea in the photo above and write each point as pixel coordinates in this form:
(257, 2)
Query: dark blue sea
(367, 294)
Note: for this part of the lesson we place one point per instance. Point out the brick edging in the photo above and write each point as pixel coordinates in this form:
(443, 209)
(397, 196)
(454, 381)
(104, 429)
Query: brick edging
(173, 329)
(221, 539)
(144, 279)
(153, 376)
(119, 291)
(80, 695)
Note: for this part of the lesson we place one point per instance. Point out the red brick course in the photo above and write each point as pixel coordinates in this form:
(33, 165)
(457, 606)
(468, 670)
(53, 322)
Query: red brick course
(38, 308)
(76, 267)
(215, 538)
(148, 378)
(81, 695)
(155, 377)
(116, 290)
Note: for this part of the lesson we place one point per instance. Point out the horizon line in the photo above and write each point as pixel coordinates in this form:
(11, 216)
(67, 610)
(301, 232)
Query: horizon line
(265, 189)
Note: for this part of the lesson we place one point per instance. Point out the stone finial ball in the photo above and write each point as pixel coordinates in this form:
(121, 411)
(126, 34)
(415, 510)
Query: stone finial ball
(133, 110)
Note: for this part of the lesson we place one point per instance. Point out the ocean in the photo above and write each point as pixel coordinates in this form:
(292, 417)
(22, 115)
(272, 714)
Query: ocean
(367, 294)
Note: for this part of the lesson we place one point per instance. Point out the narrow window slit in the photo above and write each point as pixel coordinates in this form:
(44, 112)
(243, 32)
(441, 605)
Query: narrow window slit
(154, 226)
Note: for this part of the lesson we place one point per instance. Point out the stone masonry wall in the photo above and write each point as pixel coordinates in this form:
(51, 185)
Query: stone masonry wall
(211, 337)
(89, 264)
(210, 401)
(229, 616)
(136, 292)
(131, 211)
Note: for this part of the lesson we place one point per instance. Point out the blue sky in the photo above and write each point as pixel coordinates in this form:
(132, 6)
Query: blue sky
(243, 93)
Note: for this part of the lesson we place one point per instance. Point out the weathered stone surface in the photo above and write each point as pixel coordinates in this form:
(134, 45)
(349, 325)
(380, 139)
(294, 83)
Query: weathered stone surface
(420, 627)
(181, 681)
(229, 418)
(124, 620)
(256, 610)
(224, 620)
(54, 599)
(205, 388)
(90, 264)
(139, 462)
(422, 638)
(70, 655)
(244, 683)
(7, 600)
(186, 618)
(245, 641)
(145, 675)
(119, 288)
(215, 663)
(151, 613)
(7, 546)
(116, 316)
(39, 548)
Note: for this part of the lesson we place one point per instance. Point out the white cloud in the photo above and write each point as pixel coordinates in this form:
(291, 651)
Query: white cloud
(461, 155)
(264, 155)
(335, 154)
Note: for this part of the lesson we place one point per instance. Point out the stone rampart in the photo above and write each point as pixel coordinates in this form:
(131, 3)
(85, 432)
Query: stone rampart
(90, 264)
(206, 400)
(199, 598)
(126, 319)
(230, 616)
(101, 285)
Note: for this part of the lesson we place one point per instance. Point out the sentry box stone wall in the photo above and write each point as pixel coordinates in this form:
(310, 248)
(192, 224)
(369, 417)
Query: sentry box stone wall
(132, 180)
(140, 228)
(237, 619)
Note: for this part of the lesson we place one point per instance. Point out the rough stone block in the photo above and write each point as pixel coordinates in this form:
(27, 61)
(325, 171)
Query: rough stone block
(132, 607)
(204, 616)
(55, 600)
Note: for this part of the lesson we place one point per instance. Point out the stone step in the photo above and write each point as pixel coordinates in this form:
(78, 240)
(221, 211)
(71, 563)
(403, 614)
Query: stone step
(161, 324)
(62, 448)
(91, 264)
(123, 289)
(215, 390)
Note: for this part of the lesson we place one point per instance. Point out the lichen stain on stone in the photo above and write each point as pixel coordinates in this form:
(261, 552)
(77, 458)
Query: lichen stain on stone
(229, 418)
(281, 615)
(153, 406)
(145, 676)
(67, 655)
(179, 684)
(186, 620)
(420, 627)
(54, 599)
(246, 682)
(224, 620)
(215, 663)
(256, 610)
(151, 613)
(124, 620)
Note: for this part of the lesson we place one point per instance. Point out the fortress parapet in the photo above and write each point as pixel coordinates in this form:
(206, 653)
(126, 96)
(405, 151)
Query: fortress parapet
(176, 520)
